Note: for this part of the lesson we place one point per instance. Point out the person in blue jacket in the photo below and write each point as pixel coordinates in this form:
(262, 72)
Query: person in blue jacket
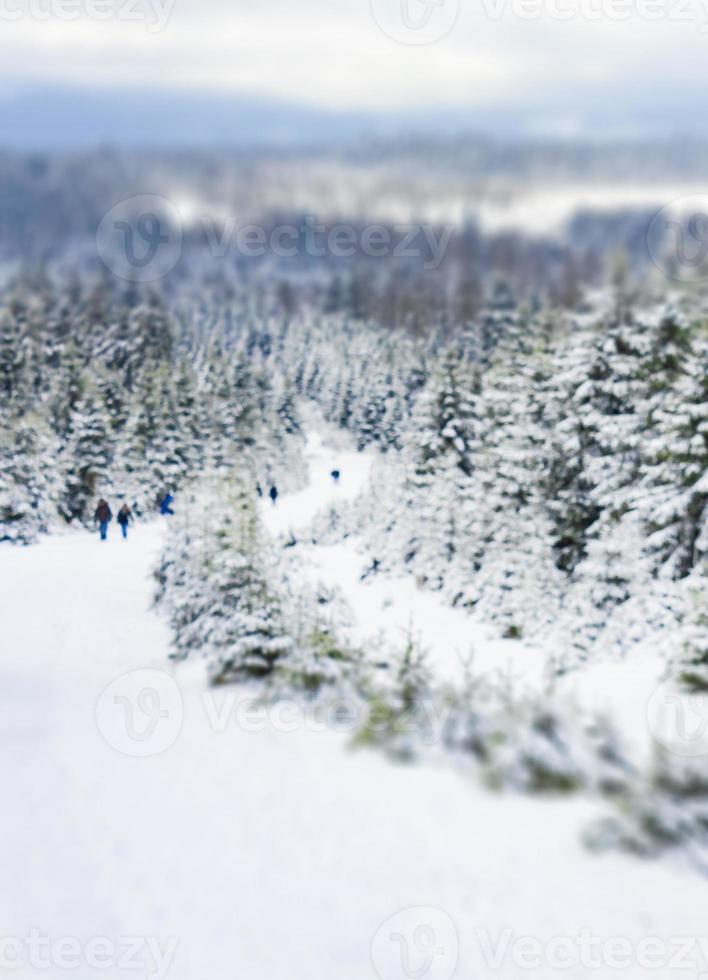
(166, 504)
(125, 515)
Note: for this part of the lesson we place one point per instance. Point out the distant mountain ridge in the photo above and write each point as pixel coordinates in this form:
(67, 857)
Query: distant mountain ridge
(60, 117)
(66, 118)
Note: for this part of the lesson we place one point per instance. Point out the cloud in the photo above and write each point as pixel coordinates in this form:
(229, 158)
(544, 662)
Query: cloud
(334, 54)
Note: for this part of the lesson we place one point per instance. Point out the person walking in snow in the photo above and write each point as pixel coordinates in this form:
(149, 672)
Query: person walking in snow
(166, 504)
(125, 515)
(273, 494)
(103, 517)
(335, 474)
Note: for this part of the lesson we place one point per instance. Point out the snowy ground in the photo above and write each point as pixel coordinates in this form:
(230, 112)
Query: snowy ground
(265, 853)
(386, 609)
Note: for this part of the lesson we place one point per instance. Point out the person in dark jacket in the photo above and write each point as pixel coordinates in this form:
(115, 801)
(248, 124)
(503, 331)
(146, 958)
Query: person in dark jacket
(103, 517)
(335, 474)
(125, 515)
(273, 494)
(166, 504)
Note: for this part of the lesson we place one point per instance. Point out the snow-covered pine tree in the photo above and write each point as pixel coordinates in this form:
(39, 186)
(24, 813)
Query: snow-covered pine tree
(221, 588)
(672, 491)
(27, 479)
(86, 459)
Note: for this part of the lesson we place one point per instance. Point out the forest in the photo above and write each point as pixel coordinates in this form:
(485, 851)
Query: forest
(538, 461)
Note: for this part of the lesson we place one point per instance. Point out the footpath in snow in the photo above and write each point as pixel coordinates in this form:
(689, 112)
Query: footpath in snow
(243, 850)
(388, 609)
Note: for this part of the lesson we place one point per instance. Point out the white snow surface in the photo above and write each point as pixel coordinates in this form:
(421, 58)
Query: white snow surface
(271, 855)
(296, 510)
(386, 608)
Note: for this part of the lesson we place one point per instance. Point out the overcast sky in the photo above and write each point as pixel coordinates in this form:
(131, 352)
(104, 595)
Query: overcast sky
(337, 53)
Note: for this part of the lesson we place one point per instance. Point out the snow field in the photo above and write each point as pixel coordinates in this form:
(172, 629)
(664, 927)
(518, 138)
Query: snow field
(269, 854)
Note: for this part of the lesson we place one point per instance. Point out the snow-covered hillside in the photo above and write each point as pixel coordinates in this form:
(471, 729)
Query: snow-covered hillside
(505, 588)
(258, 847)
(386, 609)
